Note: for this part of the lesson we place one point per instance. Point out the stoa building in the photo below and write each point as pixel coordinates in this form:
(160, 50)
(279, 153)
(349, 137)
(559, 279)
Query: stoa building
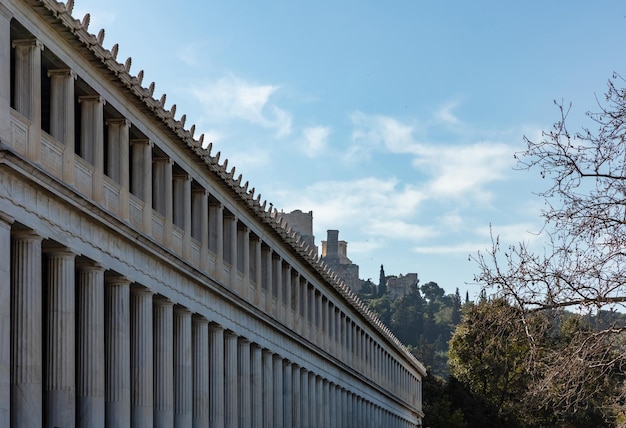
(142, 283)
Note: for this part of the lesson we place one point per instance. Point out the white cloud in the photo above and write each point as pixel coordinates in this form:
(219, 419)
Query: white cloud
(445, 113)
(315, 140)
(232, 98)
(375, 132)
(460, 248)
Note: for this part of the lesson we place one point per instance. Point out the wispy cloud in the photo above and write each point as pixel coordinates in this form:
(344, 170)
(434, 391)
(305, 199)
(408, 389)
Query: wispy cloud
(446, 114)
(231, 98)
(315, 140)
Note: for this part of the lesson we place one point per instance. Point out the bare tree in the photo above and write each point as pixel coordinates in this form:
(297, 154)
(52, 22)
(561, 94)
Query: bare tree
(582, 267)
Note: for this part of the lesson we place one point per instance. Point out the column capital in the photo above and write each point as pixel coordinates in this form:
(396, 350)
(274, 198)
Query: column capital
(89, 265)
(28, 234)
(181, 175)
(162, 301)
(58, 250)
(62, 72)
(118, 121)
(92, 98)
(140, 290)
(115, 279)
(142, 141)
(27, 42)
(163, 159)
(179, 309)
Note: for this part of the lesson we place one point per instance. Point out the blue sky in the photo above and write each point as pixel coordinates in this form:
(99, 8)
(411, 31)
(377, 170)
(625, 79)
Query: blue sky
(395, 122)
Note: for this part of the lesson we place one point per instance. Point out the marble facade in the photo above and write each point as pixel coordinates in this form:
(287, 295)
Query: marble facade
(141, 283)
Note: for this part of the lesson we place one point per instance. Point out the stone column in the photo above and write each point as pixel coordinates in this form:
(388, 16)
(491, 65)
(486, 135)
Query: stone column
(230, 222)
(288, 296)
(287, 390)
(162, 195)
(268, 387)
(296, 397)
(278, 391)
(297, 315)
(62, 116)
(216, 376)
(245, 262)
(28, 89)
(60, 383)
(117, 351)
(182, 208)
(118, 165)
(313, 400)
(244, 383)
(216, 236)
(5, 304)
(305, 405)
(200, 224)
(277, 274)
(200, 350)
(90, 343)
(326, 323)
(268, 280)
(231, 403)
(163, 338)
(5, 82)
(26, 308)
(141, 178)
(332, 405)
(92, 139)
(183, 385)
(256, 380)
(259, 272)
(141, 358)
(344, 407)
(325, 392)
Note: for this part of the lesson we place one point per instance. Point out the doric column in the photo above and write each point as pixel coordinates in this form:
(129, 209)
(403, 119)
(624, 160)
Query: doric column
(200, 350)
(343, 336)
(344, 407)
(277, 274)
(200, 223)
(28, 89)
(117, 351)
(5, 86)
(268, 387)
(183, 386)
(268, 279)
(5, 305)
(325, 388)
(182, 208)
(162, 195)
(92, 138)
(332, 405)
(62, 116)
(216, 376)
(313, 400)
(90, 343)
(141, 178)
(163, 338)
(305, 404)
(141, 358)
(26, 308)
(297, 321)
(60, 384)
(231, 403)
(296, 401)
(244, 383)
(118, 166)
(287, 390)
(278, 391)
(216, 235)
(326, 322)
(256, 380)
(230, 222)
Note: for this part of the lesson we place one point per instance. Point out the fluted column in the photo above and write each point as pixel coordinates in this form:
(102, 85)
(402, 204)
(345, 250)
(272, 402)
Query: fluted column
(332, 405)
(26, 308)
(182, 209)
(230, 222)
(313, 400)
(162, 195)
(344, 407)
(268, 280)
(256, 380)
(200, 350)
(298, 300)
(62, 116)
(28, 89)
(259, 271)
(245, 262)
(5, 95)
(287, 395)
(60, 384)
(117, 351)
(231, 403)
(90, 343)
(141, 178)
(325, 388)
(278, 391)
(183, 385)
(296, 397)
(5, 307)
(268, 387)
(118, 166)
(200, 224)
(216, 235)
(288, 296)
(216, 376)
(141, 358)
(277, 274)
(244, 383)
(92, 138)
(163, 342)
(304, 398)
